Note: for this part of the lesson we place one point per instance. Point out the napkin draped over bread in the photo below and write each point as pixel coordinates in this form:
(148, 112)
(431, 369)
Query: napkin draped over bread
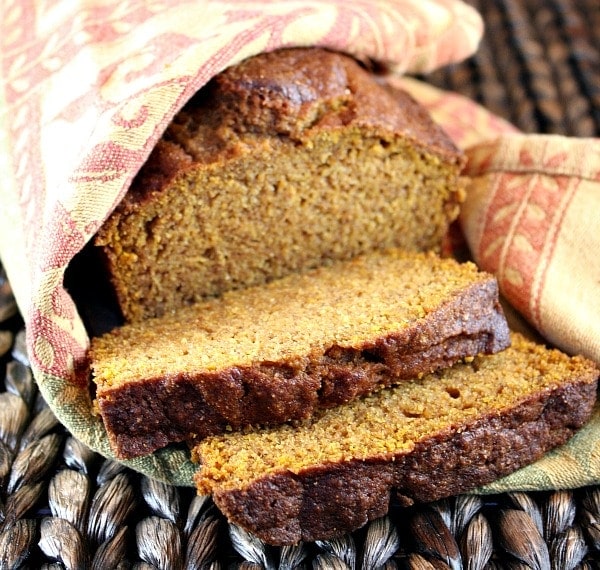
(88, 87)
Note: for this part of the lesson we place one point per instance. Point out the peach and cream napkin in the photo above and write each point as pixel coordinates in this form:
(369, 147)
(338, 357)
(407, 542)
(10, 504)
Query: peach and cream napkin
(87, 88)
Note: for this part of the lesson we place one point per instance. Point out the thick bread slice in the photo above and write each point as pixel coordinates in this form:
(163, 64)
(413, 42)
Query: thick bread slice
(424, 439)
(278, 352)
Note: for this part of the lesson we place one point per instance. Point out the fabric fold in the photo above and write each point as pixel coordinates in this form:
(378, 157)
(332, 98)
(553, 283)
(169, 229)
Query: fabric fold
(532, 217)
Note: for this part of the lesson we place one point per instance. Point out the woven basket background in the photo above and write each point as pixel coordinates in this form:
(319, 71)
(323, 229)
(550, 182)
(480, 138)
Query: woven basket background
(538, 67)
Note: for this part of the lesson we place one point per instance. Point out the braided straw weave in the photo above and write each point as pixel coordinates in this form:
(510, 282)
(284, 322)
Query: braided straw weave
(63, 506)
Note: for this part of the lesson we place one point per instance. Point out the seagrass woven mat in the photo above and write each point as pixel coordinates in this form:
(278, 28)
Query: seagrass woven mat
(63, 506)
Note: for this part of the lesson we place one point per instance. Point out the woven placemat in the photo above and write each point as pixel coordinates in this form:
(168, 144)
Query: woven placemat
(63, 506)
(538, 65)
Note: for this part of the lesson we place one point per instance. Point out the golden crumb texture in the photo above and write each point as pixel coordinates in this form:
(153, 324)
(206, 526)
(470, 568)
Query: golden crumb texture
(282, 163)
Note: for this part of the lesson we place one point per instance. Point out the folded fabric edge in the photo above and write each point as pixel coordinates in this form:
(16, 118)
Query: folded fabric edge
(533, 153)
(528, 219)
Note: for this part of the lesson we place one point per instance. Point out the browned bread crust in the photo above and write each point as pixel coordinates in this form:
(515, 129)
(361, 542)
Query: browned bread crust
(327, 496)
(408, 314)
(285, 162)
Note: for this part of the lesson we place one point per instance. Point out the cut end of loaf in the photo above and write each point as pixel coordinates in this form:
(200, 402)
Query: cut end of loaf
(232, 199)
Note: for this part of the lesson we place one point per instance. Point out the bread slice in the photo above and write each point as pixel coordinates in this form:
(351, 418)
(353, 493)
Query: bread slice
(284, 162)
(426, 439)
(278, 352)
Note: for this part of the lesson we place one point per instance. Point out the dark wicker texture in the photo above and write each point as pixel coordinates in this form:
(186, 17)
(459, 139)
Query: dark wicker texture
(62, 506)
(538, 65)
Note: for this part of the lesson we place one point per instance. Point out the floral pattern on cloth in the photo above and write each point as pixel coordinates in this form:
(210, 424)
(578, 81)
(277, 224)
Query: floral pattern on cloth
(87, 88)
(533, 219)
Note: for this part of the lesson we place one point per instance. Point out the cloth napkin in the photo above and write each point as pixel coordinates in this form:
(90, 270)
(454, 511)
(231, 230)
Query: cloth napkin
(87, 88)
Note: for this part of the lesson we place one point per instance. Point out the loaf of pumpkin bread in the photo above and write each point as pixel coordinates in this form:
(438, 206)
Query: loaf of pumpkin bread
(426, 439)
(278, 352)
(284, 162)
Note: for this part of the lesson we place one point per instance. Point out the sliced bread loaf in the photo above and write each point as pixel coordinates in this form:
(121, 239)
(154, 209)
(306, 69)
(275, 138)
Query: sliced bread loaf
(277, 352)
(423, 440)
(284, 162)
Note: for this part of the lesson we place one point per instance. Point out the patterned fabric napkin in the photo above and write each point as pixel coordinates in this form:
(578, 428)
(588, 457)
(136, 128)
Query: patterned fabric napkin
(87, 87)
